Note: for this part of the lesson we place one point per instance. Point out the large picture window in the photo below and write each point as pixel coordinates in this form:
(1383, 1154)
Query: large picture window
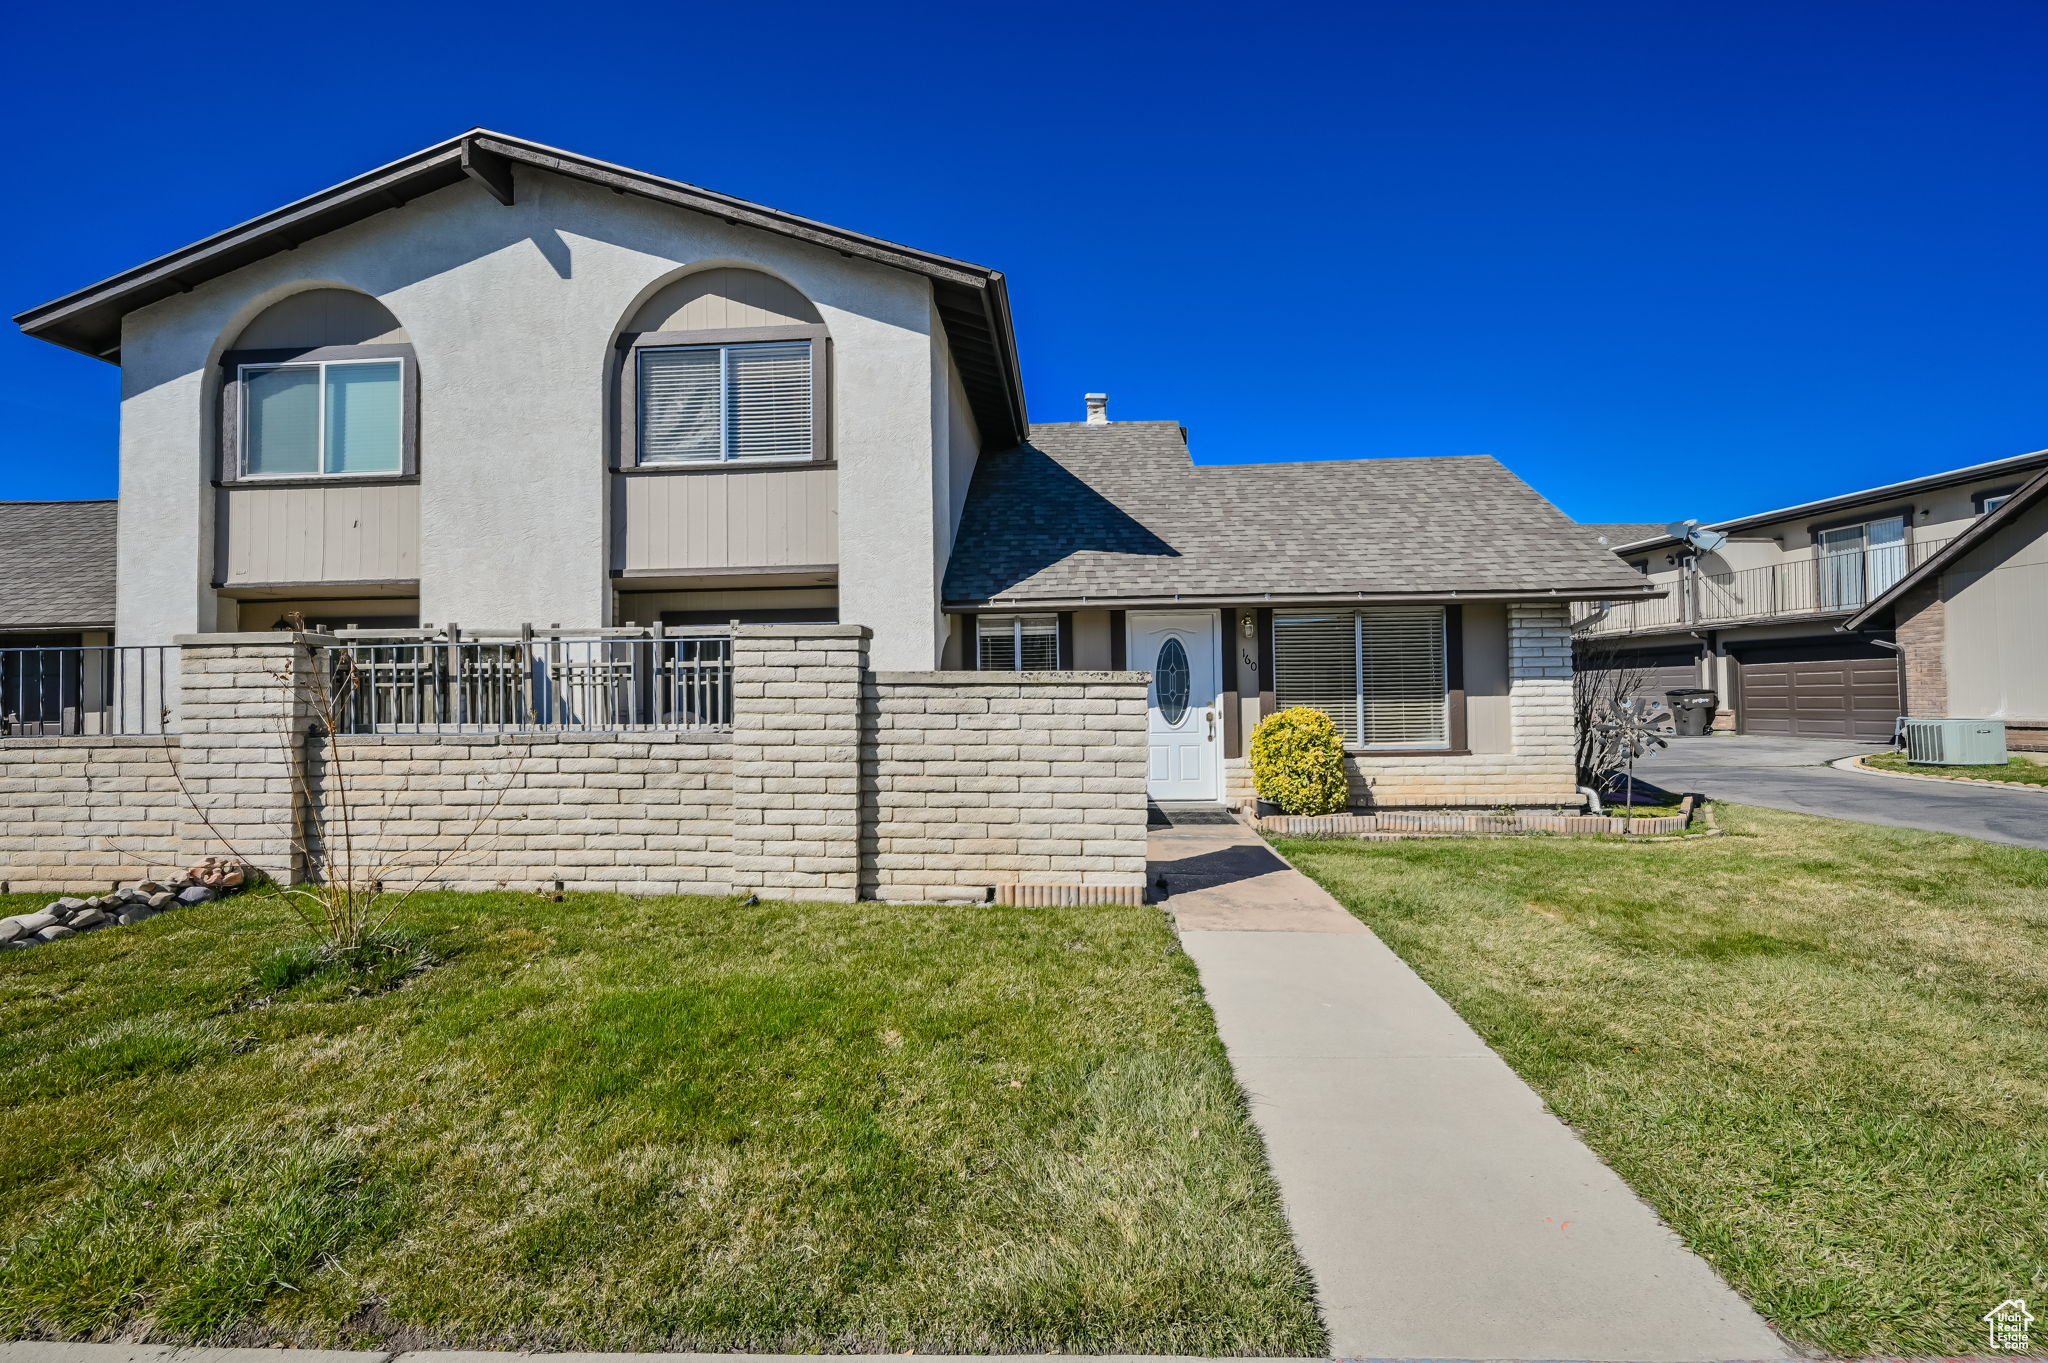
(701, 404)
(1378, 671)
(1017, 643)
(322, 418)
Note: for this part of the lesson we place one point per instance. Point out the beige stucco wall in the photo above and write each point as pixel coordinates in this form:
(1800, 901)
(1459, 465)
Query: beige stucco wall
(512, 312)
(1996, 624)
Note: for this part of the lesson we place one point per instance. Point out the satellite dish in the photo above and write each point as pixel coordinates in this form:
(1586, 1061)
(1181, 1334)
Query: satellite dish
(1701, 539)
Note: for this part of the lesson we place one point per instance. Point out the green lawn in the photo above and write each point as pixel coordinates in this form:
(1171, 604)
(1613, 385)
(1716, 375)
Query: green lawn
(1820, 1049)
(639, 1124)
(2019, 770)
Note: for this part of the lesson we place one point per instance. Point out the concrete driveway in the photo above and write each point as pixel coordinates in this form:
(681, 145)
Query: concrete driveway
(1792, 773)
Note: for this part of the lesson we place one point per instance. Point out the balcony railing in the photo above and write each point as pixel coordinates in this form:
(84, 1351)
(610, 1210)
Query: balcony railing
(1834, 584)
(73, 691)
(614, 683)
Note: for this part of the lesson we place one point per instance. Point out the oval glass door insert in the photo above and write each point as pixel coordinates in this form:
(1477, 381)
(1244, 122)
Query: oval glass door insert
(1170, 676)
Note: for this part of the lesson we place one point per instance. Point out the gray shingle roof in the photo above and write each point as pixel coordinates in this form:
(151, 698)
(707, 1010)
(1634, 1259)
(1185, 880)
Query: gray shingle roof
(1618, 533)
(1120, 510)
(56, 564)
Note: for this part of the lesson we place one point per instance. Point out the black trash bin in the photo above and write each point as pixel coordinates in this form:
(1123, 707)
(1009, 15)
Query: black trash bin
(1692, 711)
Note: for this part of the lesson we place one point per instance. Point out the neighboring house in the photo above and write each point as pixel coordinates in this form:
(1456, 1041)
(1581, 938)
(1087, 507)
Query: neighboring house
(56, 608)
(495, 384)
(1773, 617)
(1972, 621)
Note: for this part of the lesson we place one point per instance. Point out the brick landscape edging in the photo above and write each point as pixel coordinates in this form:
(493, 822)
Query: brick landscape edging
(1392, 825)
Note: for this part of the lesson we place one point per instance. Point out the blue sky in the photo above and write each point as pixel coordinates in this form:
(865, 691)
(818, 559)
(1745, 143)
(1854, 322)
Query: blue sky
(1660, 259)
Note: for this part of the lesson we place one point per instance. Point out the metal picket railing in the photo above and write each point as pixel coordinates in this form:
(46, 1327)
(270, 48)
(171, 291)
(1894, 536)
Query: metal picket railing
(1835, 584)
(87, 690)
(610, 683)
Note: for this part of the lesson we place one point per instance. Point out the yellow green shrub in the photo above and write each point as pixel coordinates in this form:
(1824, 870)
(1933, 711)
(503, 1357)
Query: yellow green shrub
(1298, 762)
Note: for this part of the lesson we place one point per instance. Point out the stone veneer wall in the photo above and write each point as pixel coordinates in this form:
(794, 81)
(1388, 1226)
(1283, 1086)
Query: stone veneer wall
(645, 814)
(81, 814)
(983, 779)
(1541, 770)
(834, 782)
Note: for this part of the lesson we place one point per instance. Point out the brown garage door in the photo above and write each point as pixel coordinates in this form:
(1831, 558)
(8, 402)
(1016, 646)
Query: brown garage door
(1848, 690)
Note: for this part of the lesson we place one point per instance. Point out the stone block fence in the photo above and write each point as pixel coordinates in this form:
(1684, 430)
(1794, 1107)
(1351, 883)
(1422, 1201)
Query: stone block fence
(832, 782)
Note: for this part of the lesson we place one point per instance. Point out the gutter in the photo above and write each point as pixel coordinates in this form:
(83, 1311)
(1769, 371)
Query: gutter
(1253, 598)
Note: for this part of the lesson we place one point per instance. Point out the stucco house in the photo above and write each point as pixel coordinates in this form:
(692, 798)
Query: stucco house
(1771, 610)
(496, 385)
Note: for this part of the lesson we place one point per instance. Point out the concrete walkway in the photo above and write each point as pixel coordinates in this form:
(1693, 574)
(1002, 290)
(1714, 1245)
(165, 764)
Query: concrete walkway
(1792, 773)
(1443, 1211)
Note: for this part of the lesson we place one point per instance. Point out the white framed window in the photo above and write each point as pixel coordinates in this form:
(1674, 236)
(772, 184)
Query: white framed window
(1017, 643)
(1994, 501)
(1377, 671)
(710, 403)
(1859, 563)
(322, 418)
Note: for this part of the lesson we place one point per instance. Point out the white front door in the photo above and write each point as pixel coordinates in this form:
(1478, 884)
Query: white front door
(1179, 649)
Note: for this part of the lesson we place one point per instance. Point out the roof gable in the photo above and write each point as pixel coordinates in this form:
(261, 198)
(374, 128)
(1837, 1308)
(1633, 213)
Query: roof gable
(1878, 612)
(972, 300)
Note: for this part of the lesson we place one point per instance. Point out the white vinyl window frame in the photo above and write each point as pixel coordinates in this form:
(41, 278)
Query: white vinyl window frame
(725, 350)
(997, 627)
(1356, 716)
(1854, 567)
(1994, 501)
(243, 424)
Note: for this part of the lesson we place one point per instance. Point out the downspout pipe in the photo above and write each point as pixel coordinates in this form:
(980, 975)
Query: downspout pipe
(1593, 805)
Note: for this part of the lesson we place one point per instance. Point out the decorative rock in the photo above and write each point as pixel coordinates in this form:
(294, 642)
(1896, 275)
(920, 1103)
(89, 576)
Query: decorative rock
(196, 894)
(35, 922)
(91, 918)
(135, 914)
(66, 905)
(161, 899)
(11, 928)
(147, 887)
(55, 932)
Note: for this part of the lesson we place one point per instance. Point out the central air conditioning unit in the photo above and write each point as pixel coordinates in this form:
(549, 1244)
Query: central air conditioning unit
(1954, 742)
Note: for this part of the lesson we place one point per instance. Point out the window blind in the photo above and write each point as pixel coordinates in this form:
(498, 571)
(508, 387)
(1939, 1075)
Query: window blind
(1315, 663)
(364, 415)
(1401, 667)
(1377, 672)
(680, 406)
(282, 408)
(725, 402)
(1017, 643)
(768, 401)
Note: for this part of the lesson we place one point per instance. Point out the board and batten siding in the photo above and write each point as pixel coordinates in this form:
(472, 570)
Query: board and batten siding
(738, 518)
(337, 532)
(1996, 601)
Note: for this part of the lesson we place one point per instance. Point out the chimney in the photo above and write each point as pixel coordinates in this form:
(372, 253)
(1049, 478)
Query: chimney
(1098, 409)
